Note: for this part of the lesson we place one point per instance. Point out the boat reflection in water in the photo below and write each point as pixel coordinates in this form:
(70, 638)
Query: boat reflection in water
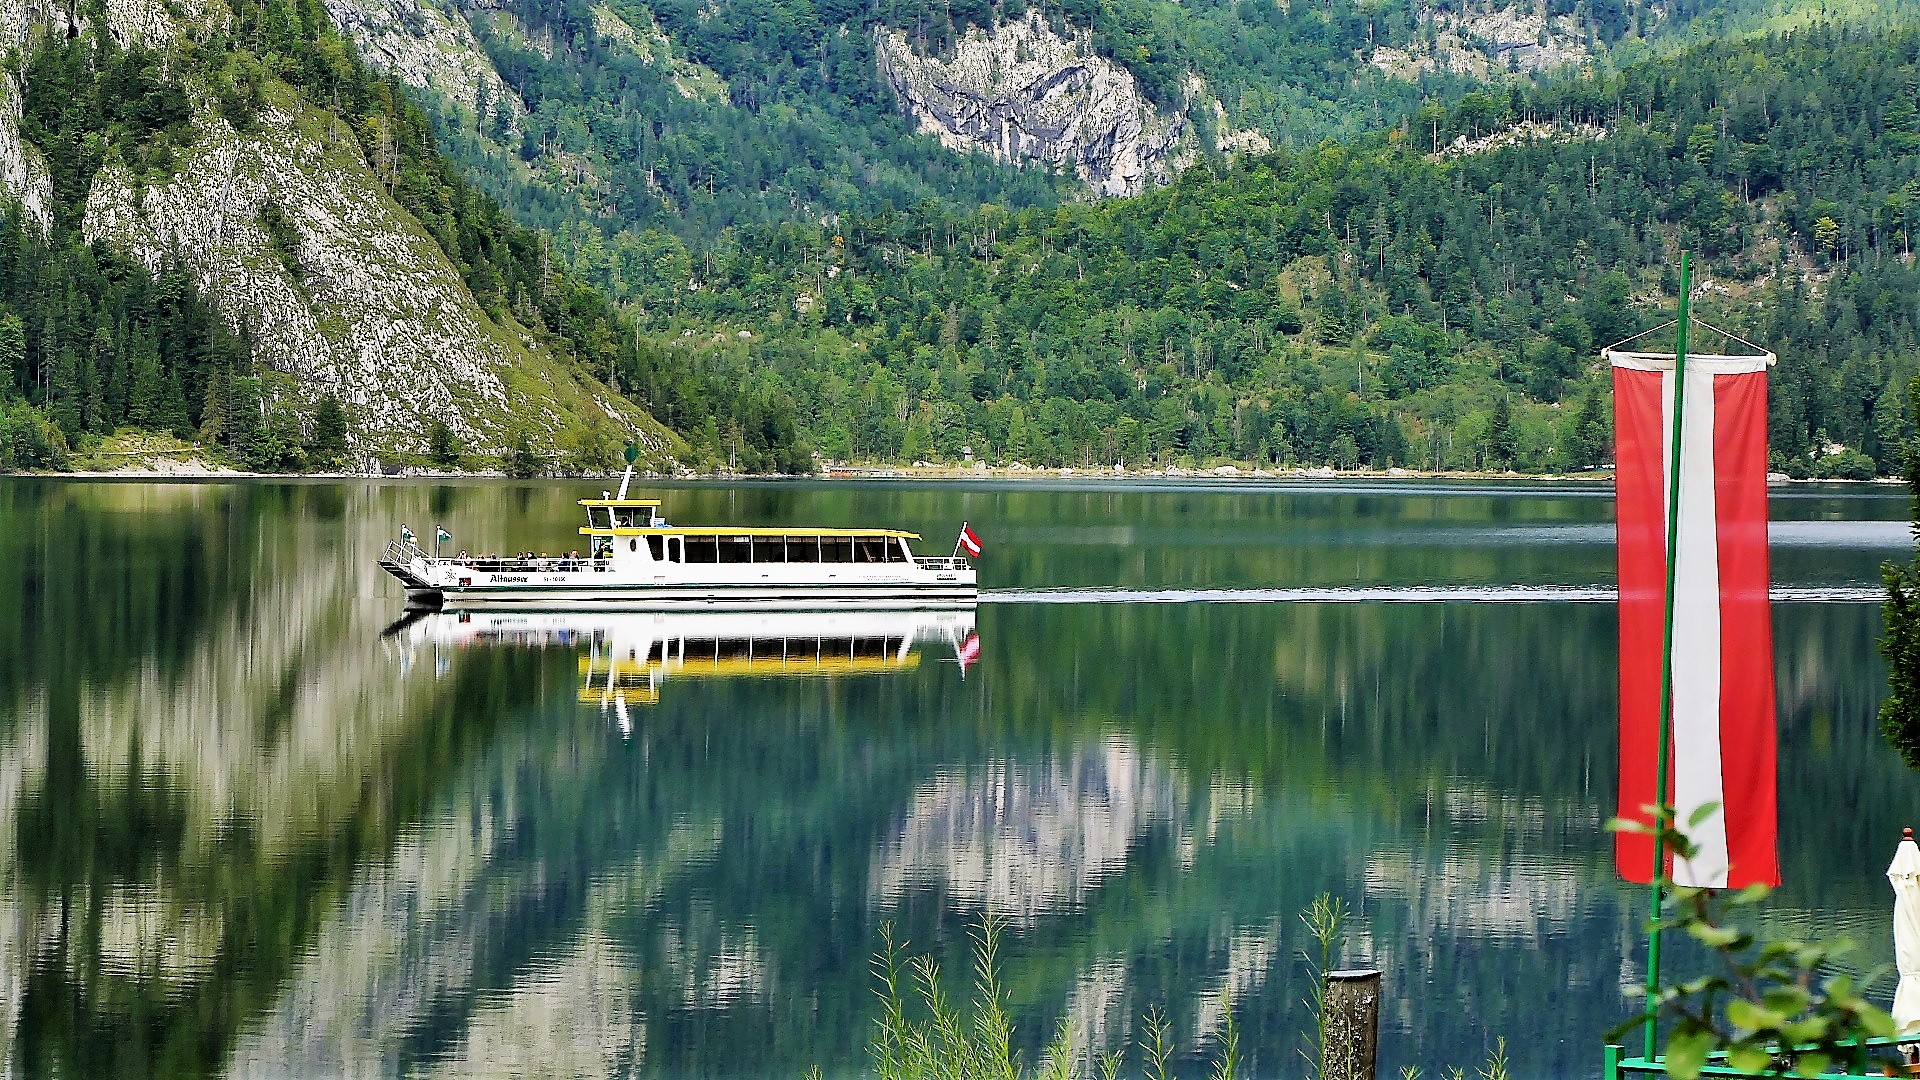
(629, 656)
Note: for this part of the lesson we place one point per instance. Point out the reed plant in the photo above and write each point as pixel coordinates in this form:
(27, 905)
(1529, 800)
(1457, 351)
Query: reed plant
(923, 1034)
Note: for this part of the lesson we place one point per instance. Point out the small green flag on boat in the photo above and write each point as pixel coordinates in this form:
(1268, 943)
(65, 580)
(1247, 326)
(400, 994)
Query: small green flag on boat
(406, 534)
(444, 535)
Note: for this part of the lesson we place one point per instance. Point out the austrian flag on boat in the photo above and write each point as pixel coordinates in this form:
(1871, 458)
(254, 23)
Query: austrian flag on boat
(968, 541)
(1722, 739)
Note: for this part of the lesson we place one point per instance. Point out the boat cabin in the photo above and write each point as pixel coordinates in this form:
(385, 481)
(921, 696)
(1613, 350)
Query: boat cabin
(608, 514)
(630, 532)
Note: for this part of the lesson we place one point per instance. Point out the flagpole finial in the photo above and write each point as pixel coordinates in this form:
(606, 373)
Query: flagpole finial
(1907, 832)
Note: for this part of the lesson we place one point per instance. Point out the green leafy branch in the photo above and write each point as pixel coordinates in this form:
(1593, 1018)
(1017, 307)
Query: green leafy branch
(1775, 1006)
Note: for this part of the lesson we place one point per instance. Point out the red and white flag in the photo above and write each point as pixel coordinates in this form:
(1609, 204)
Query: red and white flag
(1723, 744)
(968, 542)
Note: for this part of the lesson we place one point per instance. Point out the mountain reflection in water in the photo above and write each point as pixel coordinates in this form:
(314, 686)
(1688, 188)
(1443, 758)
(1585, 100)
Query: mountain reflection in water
(245, 834)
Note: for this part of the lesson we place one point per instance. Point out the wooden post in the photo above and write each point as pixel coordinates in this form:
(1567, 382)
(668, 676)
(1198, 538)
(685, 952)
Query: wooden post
(1350, 1017)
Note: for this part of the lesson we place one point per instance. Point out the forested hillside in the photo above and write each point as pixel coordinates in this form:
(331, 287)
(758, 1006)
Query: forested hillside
(91, 340)
(638, 133)
(1374, 302)
(788, 268)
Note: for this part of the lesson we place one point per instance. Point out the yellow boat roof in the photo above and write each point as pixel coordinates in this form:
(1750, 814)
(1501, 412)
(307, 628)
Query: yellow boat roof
(619, 502)
(717, 530)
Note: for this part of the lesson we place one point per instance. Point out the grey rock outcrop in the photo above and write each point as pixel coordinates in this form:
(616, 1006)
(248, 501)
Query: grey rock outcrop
(378, 316)
(1024, 93)
(367, 308)
(23, 171)
(428, 47)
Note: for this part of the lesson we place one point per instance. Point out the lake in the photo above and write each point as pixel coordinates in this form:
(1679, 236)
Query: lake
(256, 824)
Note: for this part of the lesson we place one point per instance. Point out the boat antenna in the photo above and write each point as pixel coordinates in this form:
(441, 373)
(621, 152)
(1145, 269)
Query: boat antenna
(632, 455)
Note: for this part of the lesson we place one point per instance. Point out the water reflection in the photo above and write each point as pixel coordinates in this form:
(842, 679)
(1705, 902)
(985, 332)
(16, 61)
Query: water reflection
(1022, 841)
(244, 834)
(627, 657)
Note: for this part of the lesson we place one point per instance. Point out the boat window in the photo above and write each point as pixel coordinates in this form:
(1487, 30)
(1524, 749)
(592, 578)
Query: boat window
(674, 553)
(736, 549)
(623, 519)
(870, 549)
(769, 549)
(836, 549)
(871, 648)
(803, 549)
(703, 549)
(657, 547)
(905, 553)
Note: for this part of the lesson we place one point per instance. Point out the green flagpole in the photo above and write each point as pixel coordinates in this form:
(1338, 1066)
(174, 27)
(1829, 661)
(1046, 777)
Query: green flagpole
(1666, 662)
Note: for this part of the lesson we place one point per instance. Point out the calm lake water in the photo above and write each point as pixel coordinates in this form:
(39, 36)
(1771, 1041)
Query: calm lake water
(250, 826)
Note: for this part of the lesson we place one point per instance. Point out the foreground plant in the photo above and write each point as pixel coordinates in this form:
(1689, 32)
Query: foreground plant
(950, 1041)
(1777, 1006)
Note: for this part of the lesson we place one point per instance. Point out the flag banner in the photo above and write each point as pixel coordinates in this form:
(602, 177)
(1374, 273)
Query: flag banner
(1723, 744)
(406, 534)
(969, 542)
(445, 536)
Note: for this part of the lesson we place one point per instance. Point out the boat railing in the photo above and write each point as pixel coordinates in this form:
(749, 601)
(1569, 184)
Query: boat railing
(541, 564)
(405, 552)
(940, 562)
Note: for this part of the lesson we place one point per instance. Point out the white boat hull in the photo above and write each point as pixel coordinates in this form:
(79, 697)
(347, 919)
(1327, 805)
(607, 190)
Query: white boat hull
(666, 598)
(455, 588)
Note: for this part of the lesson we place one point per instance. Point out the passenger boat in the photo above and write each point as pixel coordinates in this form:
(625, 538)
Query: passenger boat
(636, 559)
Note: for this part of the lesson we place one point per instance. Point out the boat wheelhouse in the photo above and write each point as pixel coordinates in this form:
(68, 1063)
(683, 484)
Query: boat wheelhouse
(634, 558)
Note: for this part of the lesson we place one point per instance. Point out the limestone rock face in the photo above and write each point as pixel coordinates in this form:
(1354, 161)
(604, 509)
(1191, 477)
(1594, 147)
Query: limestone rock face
(367, 307)
(428, 47)
(1024, 93)
(23, 171)
(376, 314)
(1485, 42)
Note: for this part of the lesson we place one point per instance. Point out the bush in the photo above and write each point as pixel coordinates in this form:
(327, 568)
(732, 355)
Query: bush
(523, 462)
(1848, 464)
(443, 446)
(28, 440)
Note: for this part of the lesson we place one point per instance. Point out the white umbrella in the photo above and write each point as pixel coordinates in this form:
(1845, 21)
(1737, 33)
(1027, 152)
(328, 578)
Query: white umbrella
(1905, 876)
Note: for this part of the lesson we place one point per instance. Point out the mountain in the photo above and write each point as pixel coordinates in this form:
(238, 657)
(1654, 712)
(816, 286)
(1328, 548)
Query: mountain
(199, 245)
(893, 215)
(1092, 233)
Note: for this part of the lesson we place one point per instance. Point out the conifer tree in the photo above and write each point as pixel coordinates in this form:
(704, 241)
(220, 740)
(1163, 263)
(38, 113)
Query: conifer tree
(443, 446)
(144, 404)
(63, 393)
(329, 446)
(1900, 712)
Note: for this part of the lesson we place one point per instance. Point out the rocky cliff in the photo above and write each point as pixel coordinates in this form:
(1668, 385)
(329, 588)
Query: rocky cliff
(428, 47)
(377, 315)
(1027, 94)
(363, 304)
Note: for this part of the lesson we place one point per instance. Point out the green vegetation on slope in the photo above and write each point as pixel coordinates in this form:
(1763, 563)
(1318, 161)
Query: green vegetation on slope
(635, 169)
(1372, 303)
(98, 342)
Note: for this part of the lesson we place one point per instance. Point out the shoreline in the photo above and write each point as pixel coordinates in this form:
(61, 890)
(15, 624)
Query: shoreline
(1225, 476)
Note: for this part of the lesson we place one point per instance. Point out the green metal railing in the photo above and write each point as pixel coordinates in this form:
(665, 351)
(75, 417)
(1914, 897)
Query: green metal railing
(1617, 1066)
